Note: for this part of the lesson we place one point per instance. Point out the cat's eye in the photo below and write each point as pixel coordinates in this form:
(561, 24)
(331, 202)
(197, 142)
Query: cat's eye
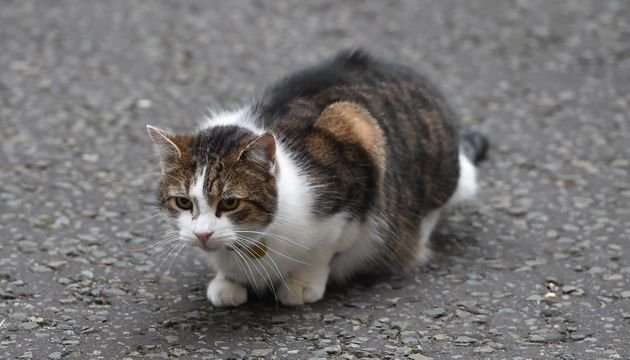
(183, 203)
(229, 204)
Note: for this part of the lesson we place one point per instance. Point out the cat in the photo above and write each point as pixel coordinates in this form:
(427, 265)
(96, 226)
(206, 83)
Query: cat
(339, 169)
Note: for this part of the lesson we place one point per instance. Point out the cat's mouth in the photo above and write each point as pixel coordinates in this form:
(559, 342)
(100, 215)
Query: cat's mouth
(211, 246)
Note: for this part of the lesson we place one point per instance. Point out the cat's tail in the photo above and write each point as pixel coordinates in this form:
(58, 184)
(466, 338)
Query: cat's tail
(474, 145)
(473, 149)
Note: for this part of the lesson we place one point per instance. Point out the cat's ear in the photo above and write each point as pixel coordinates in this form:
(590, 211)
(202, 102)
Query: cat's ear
(262, 151)
(164, 145)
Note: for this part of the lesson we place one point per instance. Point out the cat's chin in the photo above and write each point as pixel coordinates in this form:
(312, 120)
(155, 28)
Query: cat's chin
(210, 247)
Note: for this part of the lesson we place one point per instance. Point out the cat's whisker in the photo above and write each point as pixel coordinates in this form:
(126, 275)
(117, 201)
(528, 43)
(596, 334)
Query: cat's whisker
(152, 246)
(166, 238)
(252, 279)
(148, 218)
(174, 252)
(169, 256)
(279, 272)
(159, 248)
(273, 236)
(270, 282)
(161, 235)
(157, 270)
(287, 220)
(240, 265)
(254, 242)
(162, 232)
(275, 266)
(175, 257)
(158, 235)
(158, 174)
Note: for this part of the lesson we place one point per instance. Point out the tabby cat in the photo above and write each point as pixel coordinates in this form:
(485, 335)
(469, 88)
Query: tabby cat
(338, 169)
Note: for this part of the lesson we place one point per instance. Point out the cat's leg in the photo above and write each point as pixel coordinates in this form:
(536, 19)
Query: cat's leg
(305, 284)
(225, 292)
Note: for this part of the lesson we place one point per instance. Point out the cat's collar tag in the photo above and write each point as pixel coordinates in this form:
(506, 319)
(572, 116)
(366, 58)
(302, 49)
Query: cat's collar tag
(257, 250)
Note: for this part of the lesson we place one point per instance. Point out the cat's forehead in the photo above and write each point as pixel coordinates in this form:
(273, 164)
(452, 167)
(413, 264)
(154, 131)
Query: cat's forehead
(218, 145)
(209, 157)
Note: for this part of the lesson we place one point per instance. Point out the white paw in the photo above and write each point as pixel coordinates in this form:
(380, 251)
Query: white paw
(223, 292)
(299, 292)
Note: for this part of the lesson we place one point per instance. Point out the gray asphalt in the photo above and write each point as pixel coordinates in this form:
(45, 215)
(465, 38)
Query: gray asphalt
(536, 269)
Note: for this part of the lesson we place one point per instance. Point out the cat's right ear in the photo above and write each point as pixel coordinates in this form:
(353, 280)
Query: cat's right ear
(164, 145)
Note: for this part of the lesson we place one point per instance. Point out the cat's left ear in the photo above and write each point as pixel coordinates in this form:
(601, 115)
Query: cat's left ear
(261, 151)
(164, 145)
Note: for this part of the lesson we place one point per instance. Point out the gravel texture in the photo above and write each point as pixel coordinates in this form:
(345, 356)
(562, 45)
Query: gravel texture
(537, 269)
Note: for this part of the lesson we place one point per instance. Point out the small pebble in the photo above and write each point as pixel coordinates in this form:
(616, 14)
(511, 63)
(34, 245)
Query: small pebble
(442, 337)
(419, 357)
(464, 341)
(29, 325)
(282, 318)
(262, 352)
(613, 277)
(536, 338)
(435, 312)
(335, 349)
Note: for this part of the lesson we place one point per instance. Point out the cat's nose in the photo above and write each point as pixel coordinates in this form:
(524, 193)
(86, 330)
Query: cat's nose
(203, 236)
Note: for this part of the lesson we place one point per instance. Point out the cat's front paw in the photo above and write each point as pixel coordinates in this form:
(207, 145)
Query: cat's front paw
(298, 292)
(223, 292)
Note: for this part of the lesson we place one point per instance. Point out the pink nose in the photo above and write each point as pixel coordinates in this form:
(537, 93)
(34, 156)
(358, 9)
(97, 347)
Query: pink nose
(203, 236)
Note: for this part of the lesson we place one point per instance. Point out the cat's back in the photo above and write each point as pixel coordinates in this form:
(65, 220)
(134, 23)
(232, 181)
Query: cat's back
(405, 104)
(417, 129)
(349, 75)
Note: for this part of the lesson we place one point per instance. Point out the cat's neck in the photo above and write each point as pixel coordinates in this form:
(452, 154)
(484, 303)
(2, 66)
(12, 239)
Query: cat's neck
(295, 194)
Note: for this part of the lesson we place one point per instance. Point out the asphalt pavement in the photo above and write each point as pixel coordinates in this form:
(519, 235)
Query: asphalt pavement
(536, 268)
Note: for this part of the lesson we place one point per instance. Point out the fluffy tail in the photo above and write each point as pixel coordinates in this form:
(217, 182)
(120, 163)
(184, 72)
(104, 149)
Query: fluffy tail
(473, 149)
(474, 145)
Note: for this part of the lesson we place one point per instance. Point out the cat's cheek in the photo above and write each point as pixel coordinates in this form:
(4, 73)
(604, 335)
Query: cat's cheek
(184, 224)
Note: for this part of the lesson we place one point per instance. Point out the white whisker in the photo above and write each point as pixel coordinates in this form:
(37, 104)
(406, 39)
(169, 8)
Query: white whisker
(270, 282)
(253, 282)
(175, 257)
(157, 269)
(158, 247)
(240, 264)
(252, 241)
(273, 236)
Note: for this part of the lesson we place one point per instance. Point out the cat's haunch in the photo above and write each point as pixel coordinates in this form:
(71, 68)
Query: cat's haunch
(338, 169)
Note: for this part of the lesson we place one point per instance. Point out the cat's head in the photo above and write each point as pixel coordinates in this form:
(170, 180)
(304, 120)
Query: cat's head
(218, 185)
